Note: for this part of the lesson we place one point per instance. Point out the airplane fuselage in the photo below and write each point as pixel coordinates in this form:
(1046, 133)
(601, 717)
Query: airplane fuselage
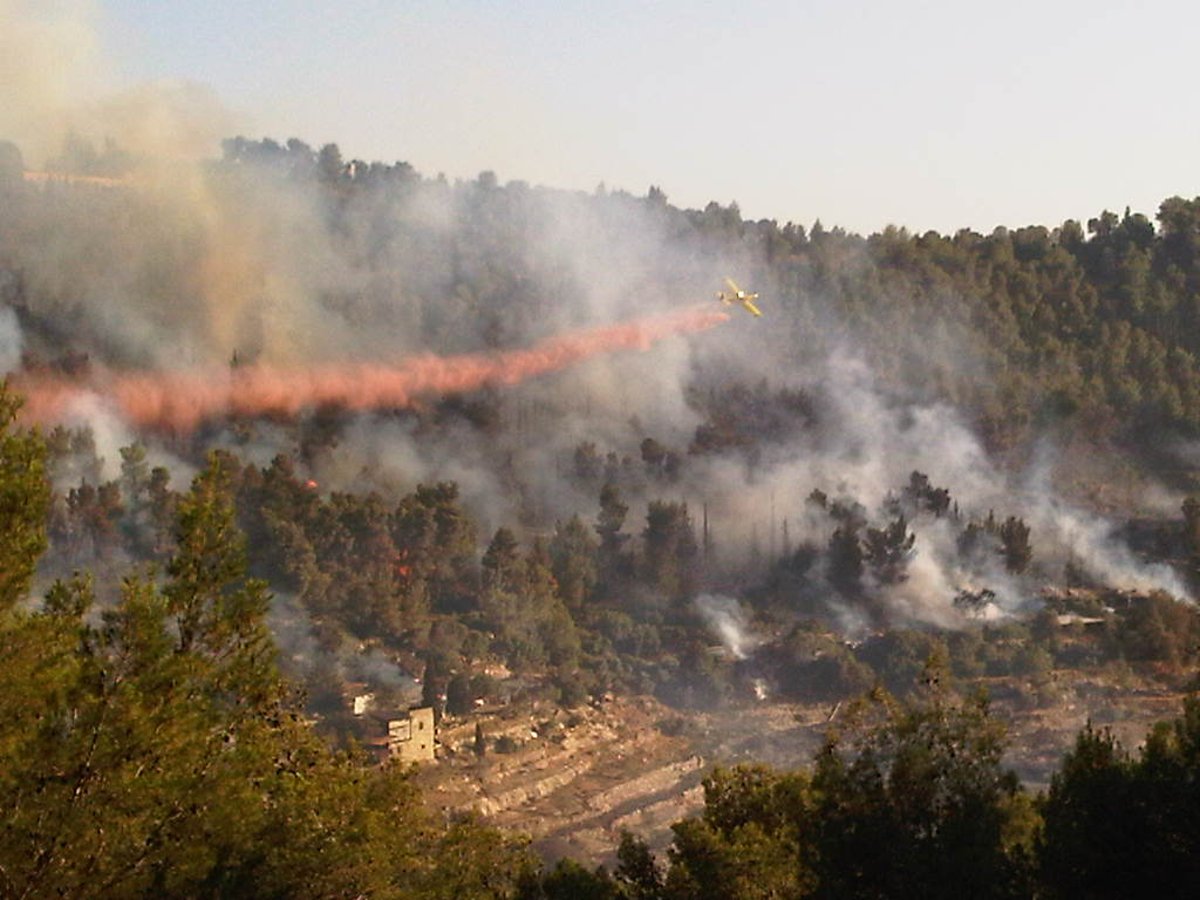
(745, 299)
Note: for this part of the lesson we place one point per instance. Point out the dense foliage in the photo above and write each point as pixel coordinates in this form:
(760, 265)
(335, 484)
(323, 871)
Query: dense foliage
(1088, 328)
(915, 803)
(152, 748)
(1095, 326)
(151, 742)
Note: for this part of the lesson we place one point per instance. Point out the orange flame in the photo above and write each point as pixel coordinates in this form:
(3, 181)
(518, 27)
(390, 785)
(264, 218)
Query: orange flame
(181, 401)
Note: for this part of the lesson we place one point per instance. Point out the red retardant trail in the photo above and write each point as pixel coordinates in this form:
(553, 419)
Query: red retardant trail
(180, 401)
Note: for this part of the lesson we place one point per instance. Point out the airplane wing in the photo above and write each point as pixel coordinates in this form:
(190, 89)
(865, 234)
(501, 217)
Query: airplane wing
(749, 304)
(732, 286)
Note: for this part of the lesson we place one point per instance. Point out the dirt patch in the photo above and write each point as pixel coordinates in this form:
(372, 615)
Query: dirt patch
(575, 780)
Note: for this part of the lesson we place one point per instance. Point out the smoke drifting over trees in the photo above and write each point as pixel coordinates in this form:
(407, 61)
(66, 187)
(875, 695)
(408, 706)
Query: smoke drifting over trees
(290, 301)
(544, 353)
(472, 427)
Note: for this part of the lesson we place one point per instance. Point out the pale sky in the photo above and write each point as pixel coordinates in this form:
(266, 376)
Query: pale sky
(938, 114)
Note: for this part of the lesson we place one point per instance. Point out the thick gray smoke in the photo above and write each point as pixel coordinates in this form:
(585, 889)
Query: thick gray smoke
(867, 452)
(180, 264)
(10, 341)
(303, 655)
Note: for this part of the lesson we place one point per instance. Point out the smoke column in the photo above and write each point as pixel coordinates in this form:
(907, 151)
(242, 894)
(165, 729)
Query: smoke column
(180, 401)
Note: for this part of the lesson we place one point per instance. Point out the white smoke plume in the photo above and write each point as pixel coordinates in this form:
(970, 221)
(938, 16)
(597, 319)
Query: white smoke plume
(1091, 541)
(725, 617)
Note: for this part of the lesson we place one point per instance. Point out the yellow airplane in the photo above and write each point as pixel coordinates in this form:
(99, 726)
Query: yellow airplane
(737, 295)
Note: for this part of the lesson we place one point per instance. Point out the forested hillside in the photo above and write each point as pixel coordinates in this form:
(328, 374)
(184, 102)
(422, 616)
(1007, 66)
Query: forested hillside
(640, 495)
(871, 454)
(151, 746)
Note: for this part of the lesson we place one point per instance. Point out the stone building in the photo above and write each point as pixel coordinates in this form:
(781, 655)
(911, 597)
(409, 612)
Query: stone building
(411, 739)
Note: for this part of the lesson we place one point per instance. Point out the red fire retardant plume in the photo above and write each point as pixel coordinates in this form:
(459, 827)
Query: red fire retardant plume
(180, 401)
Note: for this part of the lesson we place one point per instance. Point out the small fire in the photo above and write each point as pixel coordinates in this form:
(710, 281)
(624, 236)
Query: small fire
(402, 568)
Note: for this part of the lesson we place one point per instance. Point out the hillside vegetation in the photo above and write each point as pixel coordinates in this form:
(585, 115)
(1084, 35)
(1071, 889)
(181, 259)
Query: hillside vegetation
(850, 500)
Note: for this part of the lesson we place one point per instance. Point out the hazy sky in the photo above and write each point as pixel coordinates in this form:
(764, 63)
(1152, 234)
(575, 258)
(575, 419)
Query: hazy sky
(937, 114)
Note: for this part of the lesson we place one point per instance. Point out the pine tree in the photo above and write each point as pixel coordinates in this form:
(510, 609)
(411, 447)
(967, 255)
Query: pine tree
(219, 613)
(24, 502)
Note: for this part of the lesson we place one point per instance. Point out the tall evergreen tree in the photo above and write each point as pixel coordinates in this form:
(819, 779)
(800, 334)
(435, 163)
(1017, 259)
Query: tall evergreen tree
(24, 501)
